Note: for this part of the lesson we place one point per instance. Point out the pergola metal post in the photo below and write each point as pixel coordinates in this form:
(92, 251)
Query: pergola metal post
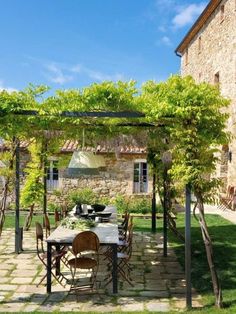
(45, 179)
(154, 211)
(188, 246)
(165, 213)
(17, 198)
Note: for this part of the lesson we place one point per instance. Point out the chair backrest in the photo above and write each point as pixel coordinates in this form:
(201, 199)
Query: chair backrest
(85, 241)
(130, 239)
(231, 191)
(57, 217)
(39, 237)
(64, 209)
(47, 225)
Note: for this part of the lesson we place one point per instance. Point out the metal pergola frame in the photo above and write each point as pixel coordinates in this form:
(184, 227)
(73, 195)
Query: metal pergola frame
(112, 114)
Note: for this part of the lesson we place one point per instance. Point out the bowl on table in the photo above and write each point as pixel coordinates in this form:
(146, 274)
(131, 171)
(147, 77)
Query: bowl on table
(83, 215)
(104, 214)
(90, 210)
(92, 216)
(98, 207)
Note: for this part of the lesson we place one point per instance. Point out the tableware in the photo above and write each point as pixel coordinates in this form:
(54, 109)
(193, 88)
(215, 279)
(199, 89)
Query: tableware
(104, 214)
(98, 207)
(97, 219)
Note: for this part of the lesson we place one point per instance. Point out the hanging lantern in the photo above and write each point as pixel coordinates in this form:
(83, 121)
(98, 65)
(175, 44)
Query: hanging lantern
(85, 163)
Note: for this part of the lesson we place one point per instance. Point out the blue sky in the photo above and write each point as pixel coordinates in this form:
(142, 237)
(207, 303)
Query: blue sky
(73, 43)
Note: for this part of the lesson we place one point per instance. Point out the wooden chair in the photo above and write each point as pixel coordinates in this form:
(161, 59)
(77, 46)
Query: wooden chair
(57, 217)
(64, 210)
(42, 255)
(85, 248)
(47, 225)
(227, 201)
(123, 226)
(124, 254)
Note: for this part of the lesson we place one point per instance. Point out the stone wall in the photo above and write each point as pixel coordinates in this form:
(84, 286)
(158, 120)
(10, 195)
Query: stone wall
(117, 178)
(217, 55)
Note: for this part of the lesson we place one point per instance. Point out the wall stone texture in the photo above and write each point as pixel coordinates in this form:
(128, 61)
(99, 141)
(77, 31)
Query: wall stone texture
(115, 179)
(217, 55)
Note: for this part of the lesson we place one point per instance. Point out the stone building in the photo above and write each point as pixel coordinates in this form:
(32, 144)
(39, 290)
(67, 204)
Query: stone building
(125, 170)
(208, 53)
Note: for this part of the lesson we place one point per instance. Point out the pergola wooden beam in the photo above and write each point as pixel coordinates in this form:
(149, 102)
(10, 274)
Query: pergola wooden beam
(86, 114)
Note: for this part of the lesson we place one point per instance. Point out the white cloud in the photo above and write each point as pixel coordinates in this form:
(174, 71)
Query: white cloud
(8, 89)
(162, 28)
(96, 75)
(166, 40)
(188, 14)
(76, 68)
(99, 76)
(57, 75)
(163, 4)
(163, 41)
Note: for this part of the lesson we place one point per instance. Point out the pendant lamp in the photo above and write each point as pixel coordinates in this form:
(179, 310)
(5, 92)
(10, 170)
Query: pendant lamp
(83, 162)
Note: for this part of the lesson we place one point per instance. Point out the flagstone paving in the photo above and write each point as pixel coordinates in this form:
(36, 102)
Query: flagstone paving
(159, 283)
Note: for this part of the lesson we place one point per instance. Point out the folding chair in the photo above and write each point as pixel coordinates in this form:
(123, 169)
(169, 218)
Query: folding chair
(124, 254)
(85, 248)
(47, 225)
(123, 226)
(42, 255)
(57, 217)
(227, 202)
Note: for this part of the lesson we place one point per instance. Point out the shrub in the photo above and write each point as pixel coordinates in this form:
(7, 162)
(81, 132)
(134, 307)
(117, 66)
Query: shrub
(52, 206)
(138, 205)
(82, 196)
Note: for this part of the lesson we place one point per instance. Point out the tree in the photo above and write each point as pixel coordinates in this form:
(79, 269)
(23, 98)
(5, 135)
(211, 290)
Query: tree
(197, 127)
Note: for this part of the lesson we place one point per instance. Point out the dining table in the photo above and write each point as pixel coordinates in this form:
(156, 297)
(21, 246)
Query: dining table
(107, 233)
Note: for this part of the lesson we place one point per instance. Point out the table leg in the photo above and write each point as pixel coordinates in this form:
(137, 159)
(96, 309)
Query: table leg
(114, 268)
(49, 267)
(58, 261)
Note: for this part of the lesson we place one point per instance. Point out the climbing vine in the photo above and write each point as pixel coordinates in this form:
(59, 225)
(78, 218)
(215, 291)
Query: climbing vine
(191, 116)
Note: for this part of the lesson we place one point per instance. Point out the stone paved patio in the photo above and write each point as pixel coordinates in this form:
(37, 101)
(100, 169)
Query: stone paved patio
(159, 283)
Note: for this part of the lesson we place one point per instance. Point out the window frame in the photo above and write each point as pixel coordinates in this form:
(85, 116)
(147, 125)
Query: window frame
(199, 44)
(52, 184)
(222, 13)
(140, 186)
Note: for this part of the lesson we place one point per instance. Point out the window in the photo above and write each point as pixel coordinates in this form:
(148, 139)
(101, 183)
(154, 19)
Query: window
(186, 56)
(52, 175)
(222, 13)
(140, 177)
(199, 44)
(217, 78)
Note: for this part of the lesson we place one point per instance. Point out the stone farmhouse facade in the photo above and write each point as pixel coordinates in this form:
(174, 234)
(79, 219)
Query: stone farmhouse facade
(208, 53)
(125, 173)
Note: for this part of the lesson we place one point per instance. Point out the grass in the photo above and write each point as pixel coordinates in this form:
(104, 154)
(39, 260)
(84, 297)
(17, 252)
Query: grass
(10, 220)
(223, 234)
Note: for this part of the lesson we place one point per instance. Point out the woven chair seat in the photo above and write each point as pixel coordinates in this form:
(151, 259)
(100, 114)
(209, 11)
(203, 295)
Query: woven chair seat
(83, 262)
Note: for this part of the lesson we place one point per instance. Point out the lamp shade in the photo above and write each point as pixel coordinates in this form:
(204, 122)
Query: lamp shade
(83, 160)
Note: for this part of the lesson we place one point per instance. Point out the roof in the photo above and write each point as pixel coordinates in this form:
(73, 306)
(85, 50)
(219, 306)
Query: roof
(102, 147)
(208, 11)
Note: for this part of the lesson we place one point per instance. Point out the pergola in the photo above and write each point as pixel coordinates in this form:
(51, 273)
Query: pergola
(112, 114)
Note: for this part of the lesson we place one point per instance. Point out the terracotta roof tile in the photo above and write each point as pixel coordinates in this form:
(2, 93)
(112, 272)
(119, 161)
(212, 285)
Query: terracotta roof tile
(106, 147)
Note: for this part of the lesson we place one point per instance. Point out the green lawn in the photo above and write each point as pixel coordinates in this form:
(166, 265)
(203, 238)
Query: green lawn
(223, 234)
(10, 220)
